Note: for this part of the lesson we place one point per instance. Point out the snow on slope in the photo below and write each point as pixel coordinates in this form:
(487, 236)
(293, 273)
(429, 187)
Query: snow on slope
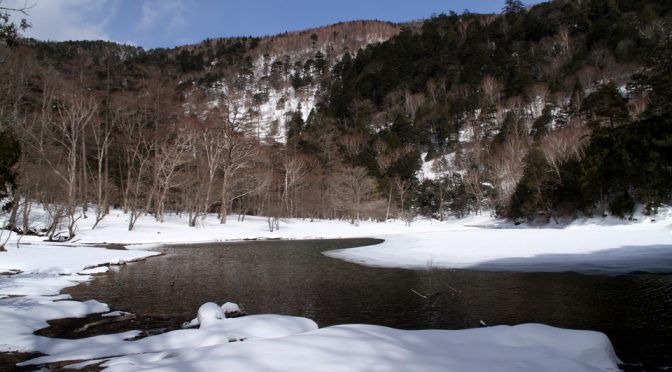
(429, 170)
(274, 113)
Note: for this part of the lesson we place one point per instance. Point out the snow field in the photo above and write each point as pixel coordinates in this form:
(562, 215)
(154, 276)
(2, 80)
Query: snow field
(527, 347)
(273, 342)
(282, 343)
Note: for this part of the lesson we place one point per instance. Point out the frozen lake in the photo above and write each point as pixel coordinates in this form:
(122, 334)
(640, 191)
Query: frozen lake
(294, 278)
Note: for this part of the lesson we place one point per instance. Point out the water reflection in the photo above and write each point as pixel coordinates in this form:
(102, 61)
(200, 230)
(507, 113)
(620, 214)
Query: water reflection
(294, 278)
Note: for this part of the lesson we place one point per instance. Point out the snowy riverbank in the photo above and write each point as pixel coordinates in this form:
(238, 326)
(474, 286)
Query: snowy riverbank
(31, 297)
(598, 245)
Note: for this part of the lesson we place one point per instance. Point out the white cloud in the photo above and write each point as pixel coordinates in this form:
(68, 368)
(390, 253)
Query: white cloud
(166, 13)
(68, 19)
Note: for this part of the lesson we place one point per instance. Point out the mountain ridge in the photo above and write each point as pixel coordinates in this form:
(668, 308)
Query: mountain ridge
(532, 114)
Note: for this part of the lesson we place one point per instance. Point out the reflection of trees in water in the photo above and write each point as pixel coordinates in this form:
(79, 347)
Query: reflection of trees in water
(294, 278)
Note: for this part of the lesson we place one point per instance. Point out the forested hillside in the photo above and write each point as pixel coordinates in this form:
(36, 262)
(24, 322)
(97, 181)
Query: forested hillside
(557, 96)
(558, 110)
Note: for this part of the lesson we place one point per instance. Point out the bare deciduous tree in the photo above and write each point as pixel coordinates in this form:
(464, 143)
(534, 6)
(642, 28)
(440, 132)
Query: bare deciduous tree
(385, 159)
(474, 182)
(413, 102)
(490, 90)
(355, 187)
(56, 135)
(169, 157)
(445, 170)
(506, 164)
(564, 144)
(238, 153)
(102, 136)
(207, 144)
(538, 98)
(135, 168)
(294, 174)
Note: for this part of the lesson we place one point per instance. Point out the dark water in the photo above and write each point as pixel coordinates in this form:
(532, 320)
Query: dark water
(294, 278)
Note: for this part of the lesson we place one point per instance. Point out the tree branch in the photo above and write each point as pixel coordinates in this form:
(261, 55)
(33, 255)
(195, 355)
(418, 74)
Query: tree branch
(23, 10)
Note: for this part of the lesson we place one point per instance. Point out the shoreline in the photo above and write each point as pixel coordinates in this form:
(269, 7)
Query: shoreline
(152, 246)
(64, 265)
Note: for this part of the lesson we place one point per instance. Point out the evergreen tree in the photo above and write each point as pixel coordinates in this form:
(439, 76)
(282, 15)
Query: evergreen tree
(607, 105)
(295, 126)
(513, 7)
(9, 155)
(658, 80)
(532, 192)
(541, 125)
(9, 30)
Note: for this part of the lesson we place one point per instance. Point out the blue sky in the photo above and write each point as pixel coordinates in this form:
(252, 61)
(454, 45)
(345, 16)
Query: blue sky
(167, 23)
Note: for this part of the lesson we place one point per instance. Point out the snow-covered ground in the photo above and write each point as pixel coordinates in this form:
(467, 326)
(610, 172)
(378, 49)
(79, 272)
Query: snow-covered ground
(283, 343)
(31, 297)
(529, 347)
(600, 251)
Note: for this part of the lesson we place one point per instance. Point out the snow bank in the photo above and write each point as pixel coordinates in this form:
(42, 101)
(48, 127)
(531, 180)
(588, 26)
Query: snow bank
(21, 316)
(215, 329)
(230, 307)
(283, 343)
(605, 250)
(42, 258)
(213, 318)
(528, 347)
(150, 233)
(278, 342)
(44, 270)
(258, 327)
(209, 313)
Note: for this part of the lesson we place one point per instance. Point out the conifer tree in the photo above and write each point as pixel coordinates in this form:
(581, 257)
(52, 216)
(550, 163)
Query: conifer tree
(9, 30)
(513, 7)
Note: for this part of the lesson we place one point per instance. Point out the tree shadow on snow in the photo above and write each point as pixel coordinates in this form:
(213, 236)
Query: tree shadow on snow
(616, 261)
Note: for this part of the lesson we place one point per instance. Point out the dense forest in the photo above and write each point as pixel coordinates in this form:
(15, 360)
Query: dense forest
(553, 111)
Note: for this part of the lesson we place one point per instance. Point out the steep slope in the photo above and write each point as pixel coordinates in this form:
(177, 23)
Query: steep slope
(488, 89)
(268, 79)
(535, 114)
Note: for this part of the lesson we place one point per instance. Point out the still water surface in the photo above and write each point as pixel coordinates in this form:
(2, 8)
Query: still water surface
(294, 278)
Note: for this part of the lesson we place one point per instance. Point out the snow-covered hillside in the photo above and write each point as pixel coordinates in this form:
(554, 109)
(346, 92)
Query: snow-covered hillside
(283, 73)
